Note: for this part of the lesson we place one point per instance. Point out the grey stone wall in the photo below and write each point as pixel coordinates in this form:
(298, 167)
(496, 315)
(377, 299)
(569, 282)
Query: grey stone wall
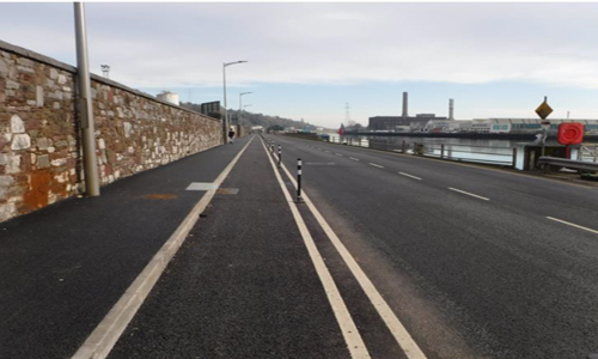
(40, 149)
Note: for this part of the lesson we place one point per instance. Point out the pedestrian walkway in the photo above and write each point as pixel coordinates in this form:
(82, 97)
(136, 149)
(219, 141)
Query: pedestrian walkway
(62, 268)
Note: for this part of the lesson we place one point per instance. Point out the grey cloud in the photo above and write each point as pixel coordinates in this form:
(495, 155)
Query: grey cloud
(184, 44)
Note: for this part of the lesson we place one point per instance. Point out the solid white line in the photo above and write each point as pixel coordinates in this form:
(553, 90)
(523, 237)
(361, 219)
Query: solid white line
(354, 159)
(408, 175)
(573, 225)
(352, 337)
(375, 165)
(401, 335)
(469, 194)
(101, 341)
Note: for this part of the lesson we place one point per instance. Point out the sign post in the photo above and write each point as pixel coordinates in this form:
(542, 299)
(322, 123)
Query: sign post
(543, 111)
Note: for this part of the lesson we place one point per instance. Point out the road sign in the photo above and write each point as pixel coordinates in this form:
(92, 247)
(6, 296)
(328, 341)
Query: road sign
(543, 110)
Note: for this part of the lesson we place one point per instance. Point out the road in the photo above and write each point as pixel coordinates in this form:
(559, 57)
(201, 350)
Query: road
(475, 262)
(388, 256)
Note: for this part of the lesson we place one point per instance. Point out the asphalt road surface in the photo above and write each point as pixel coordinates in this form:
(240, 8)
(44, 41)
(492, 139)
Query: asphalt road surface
(470, 262)
(475, 262)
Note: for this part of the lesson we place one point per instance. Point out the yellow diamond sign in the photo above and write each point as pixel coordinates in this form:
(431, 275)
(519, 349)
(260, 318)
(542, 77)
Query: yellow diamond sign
(543, 110)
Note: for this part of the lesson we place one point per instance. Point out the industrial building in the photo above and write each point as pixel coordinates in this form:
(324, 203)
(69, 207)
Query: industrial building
(406, 123)
(170, 97)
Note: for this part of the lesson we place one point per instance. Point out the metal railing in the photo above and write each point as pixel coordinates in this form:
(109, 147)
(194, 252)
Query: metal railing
(588, 153)
(472, 153)
(462, 153)
(572, 164)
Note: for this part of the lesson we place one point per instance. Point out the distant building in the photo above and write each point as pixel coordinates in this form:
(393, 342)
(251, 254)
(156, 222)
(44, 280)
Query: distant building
(212, 109)
(441, 126)
(521, 125)
(400, 123)
(418, 122)
(169, 97)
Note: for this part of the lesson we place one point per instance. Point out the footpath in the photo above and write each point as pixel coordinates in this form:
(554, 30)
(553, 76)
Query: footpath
(242, 284)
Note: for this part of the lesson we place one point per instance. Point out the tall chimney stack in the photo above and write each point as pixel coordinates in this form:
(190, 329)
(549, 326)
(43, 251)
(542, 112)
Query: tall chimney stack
(451, 109)
(405, 115)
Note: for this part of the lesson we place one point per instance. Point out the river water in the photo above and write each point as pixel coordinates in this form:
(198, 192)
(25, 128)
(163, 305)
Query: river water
(499, 152)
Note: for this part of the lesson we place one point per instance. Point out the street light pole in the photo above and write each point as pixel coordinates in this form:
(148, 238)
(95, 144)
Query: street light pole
(90, 167)
(225, 121)
(241, 105)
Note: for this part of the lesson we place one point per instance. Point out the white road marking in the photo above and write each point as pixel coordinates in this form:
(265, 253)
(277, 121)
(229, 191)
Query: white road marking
(469, 194)
(338, 154)
(375, 165)
(326, 151)
(411, 176)
(101, 341)
(573, 225)
(401, 335)
(352, 337)
(201, 186)
(354, 159)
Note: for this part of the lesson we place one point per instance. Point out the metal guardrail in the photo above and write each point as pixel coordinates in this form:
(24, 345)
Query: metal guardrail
(588, 151)
(572, 164)
(472, 153)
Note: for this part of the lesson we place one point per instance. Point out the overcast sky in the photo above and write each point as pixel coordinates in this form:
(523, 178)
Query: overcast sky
(307, 60)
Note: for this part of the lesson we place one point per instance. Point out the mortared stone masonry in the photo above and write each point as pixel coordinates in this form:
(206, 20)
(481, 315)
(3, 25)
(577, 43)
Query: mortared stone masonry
(40, 147)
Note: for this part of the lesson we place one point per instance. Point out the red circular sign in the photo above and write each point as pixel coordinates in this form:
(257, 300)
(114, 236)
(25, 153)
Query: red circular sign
(570, 133)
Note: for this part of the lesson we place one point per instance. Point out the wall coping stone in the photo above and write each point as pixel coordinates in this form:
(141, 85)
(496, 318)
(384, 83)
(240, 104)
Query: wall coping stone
(5, 46)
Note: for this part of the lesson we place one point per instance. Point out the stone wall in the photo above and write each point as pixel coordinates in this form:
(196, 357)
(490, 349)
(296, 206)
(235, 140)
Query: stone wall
(40, 148)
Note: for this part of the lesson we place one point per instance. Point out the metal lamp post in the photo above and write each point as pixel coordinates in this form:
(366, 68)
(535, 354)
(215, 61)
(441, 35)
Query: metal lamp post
(90, 167)
(225, 122)
(241, 105)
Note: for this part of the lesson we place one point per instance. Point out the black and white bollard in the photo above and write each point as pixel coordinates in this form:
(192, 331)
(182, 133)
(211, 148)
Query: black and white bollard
(299, 172)
(279, 155)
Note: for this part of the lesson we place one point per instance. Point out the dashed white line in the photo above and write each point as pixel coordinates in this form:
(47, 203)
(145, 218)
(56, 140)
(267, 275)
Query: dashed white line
(338, 154)
(375, 165)
(573, 225)
(354, 159)
(469, 194)
(411, 176)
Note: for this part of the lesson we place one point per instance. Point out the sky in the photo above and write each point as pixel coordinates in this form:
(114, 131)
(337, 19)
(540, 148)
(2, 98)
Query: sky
(311, 60)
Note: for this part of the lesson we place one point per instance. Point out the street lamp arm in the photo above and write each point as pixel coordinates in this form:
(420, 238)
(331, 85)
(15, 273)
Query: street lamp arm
(225, 122)
(234, 63)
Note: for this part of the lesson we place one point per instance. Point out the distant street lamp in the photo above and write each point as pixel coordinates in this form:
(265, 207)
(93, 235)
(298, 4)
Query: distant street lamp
(225, 122)
(106, 71)
(241, 105)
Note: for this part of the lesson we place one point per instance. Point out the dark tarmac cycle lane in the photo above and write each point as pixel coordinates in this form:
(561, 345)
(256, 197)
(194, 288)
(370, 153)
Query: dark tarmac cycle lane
(241, 286)
(63, 267)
